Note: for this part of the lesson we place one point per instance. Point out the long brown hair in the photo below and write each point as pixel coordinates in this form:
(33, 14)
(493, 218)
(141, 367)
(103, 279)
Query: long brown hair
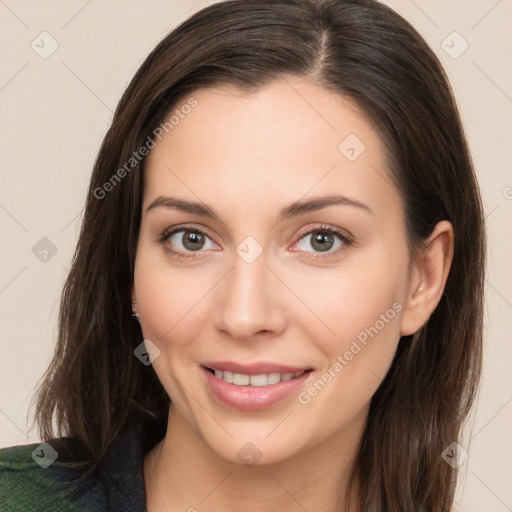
(360, 49)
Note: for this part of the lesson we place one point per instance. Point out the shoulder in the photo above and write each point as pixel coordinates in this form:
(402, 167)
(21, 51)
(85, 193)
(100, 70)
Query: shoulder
(47, 477)
(33, 478)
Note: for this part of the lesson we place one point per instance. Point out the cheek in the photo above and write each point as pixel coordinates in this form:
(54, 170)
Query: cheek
(353, 299)
(169, 298)
(171, 304)
(362, 307)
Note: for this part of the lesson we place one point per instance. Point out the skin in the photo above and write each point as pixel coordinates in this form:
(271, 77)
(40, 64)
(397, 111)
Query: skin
(248, 156)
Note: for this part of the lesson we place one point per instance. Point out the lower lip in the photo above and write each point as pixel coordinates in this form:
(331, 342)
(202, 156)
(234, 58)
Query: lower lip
(252, 398)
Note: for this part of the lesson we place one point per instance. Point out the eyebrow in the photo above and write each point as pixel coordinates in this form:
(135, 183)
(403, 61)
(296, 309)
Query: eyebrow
(310, 205)
(297, 208)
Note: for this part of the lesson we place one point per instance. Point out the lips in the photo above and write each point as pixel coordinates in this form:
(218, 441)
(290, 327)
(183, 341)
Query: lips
(255, 386)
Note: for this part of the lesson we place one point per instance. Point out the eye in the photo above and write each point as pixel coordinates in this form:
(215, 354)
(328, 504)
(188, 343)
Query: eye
(187, 241)
(323, 240)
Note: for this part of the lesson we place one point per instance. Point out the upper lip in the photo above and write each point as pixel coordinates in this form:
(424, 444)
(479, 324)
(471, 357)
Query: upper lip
(253, 368)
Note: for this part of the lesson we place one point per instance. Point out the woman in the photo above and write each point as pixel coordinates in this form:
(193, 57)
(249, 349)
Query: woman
(286, 204)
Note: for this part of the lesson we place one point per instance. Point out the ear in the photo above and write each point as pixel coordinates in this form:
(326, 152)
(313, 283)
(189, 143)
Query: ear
(428, 276)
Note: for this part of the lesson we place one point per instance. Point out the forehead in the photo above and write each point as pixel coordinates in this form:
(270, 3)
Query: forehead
(285, 141)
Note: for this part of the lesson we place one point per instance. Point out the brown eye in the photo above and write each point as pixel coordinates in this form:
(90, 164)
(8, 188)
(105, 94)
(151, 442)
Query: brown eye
(323, 240)
(192, 241)
(188, 240)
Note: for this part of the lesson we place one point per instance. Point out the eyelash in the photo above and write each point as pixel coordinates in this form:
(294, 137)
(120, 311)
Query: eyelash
(346, 241)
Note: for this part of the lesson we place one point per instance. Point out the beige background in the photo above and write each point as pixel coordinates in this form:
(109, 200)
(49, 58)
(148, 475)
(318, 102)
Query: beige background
(55, 112)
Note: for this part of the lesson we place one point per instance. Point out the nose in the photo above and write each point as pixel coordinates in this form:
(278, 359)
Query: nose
(249, 301)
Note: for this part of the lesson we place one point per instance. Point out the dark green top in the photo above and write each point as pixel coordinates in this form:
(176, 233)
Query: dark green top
(32, 480)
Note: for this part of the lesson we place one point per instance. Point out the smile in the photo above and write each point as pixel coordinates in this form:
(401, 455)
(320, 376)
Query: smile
(240, 379)
(253, 387)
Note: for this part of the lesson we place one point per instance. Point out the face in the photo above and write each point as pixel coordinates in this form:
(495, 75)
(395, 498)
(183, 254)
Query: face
(271, 269)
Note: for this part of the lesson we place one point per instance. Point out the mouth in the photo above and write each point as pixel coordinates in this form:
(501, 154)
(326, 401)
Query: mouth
(253, 387)
(259, 380)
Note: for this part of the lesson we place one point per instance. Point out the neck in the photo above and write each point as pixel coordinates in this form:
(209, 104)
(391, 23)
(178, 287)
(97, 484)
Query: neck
(182, 473)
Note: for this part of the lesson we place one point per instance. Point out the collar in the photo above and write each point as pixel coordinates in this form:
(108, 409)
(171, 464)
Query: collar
(121, 469)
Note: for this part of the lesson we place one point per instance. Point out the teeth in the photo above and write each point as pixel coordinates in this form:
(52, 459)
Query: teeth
(239, 379)
(273, 378)
(258, 380)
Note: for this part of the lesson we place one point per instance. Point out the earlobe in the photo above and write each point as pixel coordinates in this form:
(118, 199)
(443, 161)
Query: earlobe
(429, 274)
(135, 312)
(134, 299)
